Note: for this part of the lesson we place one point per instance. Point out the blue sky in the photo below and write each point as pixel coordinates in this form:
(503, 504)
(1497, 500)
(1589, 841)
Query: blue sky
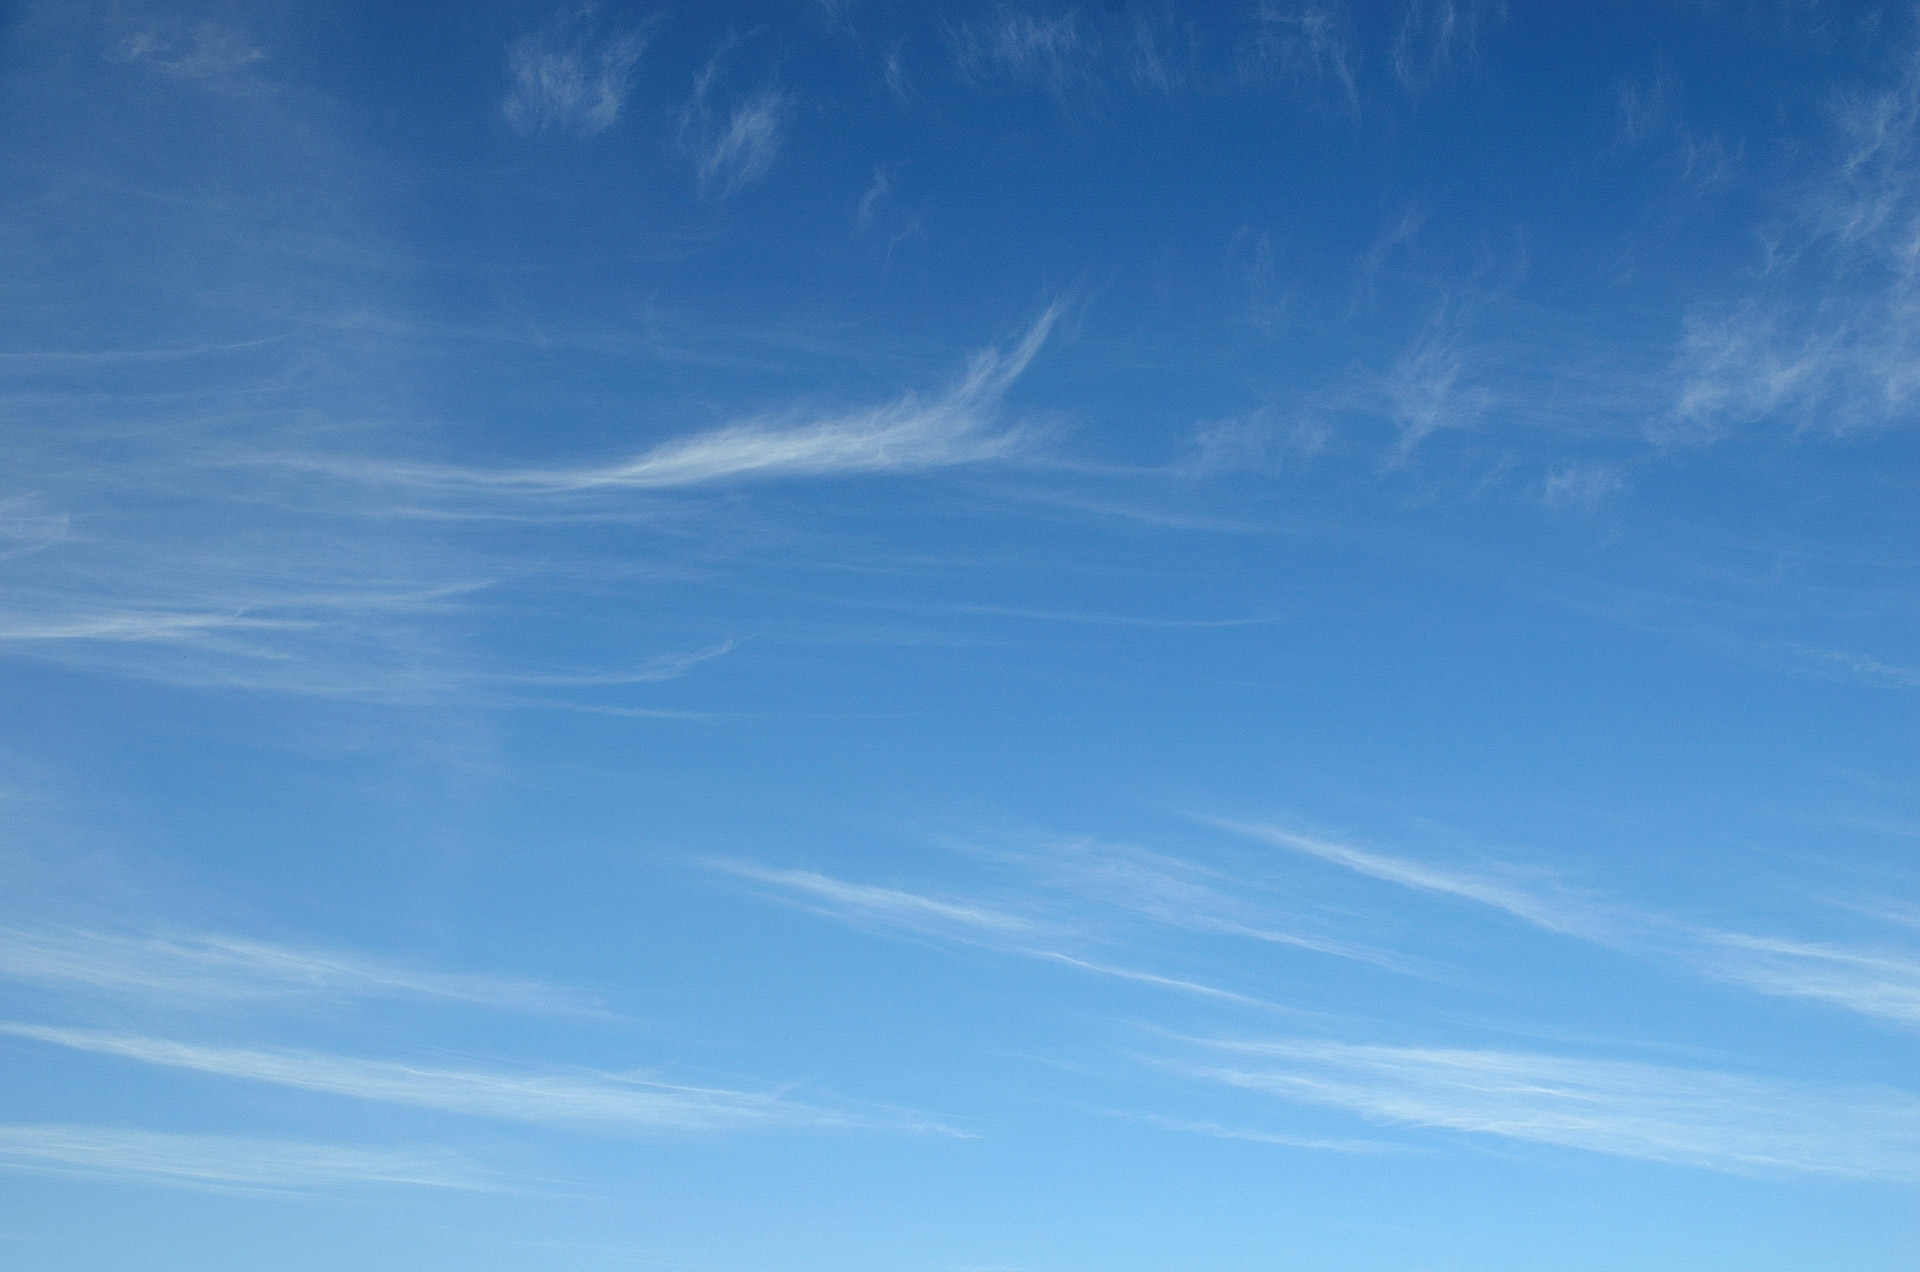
(826, 635)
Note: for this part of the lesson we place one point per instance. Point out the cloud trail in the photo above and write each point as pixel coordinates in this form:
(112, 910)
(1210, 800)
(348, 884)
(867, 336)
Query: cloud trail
(211, 969)
(967, 924)
(225, 1163)
(574, 1100)
(1548, 913)
(892, 906)
(1627, 1109)
(1174, 983)
(1070, 899)
(910, 434)
(1880, 983)
(1176, 893)
(1213, 1130)
(1877, 983)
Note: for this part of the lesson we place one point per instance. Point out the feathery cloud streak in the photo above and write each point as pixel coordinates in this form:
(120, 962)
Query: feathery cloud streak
(1627, 1109)
(911, 433)
(1497, 893)
(1879, 983)
(892, 906)
(967, 924)
(1875, 983)
(604, 1101)
(225, 1163)
(1175, 893)
(1069, 902)
(213, 969)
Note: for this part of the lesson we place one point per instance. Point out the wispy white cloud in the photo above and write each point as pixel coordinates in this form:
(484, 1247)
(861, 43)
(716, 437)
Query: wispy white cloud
(329, 625)
(1433, 35)
(229, 624)
(1073, 59)
(130, 546)
(213, 970)
(26, 529)
(1175, 893)
(1650, 113)
(1050, 51)
(1095, 619)
(205, 52)
(1367, 271)
(1071, 903)
(1581, 485)
(837, 15)
(225, 1163)
(139, 627)
(894, 73)
(963, 921)
(1430, 387)
(648, 671)
(878, 189)
(1570, 916)
(353, 644)
(1863, 667)
(1826, 341)
(1253, 268)
(911, 433)
(360, 578)
(1741, 365)
(1882, 983)
(1160, 51)
(739, 152)
(1628, 1109)
(565, 76)
(1646, 108)
(574, 1099)
(1078, 58)
(893, 907)
(1214, 1130)
(732, 144)
(1307, 46)
(1260, 440)
(1176, 983)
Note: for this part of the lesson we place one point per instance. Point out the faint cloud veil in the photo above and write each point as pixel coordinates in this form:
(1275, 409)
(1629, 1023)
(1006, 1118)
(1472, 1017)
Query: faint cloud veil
(1824, 341)
(567, 78)
(731, 147)
(206, 53)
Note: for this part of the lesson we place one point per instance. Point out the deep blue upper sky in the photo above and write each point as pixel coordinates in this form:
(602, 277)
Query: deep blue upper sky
(823, 635)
